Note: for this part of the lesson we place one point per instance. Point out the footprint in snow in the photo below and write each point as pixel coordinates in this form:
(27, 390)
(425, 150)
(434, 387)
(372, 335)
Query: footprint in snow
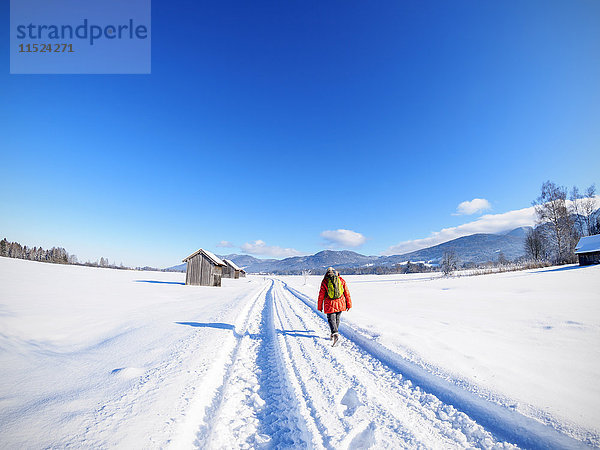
(351, 402)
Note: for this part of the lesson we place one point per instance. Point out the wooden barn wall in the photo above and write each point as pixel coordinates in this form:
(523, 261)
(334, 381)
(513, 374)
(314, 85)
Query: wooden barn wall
(589, 258)
(230, 272)
(193, 271)
(216, 274)
(201, 272)
(206, 276)
(227, 272)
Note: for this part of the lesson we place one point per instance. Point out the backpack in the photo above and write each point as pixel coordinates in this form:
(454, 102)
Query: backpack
(335, 288)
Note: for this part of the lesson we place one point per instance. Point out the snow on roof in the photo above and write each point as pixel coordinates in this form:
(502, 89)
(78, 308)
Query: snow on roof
(216, 260)
(214, 257)
(232, 264)
(588, 244)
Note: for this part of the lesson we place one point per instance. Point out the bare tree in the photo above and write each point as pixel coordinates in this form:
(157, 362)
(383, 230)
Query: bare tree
(535, 245)
(502, 259)
(552, 210)
(449, 262)
(583, 207)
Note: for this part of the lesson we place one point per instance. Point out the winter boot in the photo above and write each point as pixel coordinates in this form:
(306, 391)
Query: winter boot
(335, 338)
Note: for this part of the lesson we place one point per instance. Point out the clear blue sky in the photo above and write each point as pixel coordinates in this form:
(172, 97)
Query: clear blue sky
(276, 121)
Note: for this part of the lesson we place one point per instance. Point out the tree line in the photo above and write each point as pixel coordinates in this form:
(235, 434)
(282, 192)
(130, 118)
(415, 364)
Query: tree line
(55, 255)
(408, 267)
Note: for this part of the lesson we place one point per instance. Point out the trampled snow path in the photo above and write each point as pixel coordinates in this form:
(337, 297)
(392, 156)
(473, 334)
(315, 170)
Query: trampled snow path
(281, 385)
(254, 406)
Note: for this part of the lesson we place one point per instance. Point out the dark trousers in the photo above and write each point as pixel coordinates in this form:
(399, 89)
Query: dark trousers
(334, 321)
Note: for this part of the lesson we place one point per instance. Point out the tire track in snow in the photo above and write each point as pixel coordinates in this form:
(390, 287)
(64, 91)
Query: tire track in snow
(253, 406)
(503, 423)
(313, 419)
(198, 418)
(281, 419)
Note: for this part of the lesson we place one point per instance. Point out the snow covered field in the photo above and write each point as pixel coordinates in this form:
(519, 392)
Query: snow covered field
(101, 358)
(96, 357)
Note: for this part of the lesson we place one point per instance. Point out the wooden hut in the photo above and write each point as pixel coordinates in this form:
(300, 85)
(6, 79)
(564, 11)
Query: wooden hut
(242, 273)
(588, 250)
(203, 269)
(231, 270)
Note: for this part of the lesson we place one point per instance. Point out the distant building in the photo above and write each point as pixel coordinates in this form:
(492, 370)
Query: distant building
(231, 270)
(242, 273)
(204, 269)
(588, 250)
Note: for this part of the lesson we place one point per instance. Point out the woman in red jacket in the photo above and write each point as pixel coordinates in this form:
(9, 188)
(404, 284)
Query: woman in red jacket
(334, 298)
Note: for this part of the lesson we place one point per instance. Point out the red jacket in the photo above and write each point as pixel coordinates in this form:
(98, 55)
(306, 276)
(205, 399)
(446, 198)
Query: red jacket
(336, 304)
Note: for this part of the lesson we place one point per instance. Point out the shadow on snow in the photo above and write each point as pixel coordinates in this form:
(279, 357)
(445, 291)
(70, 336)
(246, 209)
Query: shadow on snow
(228, 326)
(560, 269)
(219, 325)
(159, 282)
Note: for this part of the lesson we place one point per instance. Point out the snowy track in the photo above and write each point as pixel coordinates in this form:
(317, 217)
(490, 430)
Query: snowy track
(282, 386)
(253, 405)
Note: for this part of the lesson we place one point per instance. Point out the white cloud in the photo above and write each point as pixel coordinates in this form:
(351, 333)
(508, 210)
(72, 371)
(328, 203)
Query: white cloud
(344, 238)
(225, 244)
(472, 207)
(488, 223)
(261, 248)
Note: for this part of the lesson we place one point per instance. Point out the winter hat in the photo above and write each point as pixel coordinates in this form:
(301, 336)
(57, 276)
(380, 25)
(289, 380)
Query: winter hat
(330, 270)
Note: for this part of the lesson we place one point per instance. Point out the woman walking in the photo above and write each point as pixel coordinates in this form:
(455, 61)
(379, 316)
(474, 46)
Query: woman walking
(334, 298)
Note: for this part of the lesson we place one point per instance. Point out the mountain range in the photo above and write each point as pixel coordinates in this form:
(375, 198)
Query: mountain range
(476, 248)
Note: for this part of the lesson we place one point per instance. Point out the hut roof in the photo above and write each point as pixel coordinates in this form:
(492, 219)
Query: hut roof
(214, 258)
(588, 244)
(232, 264)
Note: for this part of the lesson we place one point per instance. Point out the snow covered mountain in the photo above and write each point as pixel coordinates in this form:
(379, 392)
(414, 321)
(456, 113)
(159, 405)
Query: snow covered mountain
(246, 260)
(318, 261)
(476, 248)
(177, 268)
